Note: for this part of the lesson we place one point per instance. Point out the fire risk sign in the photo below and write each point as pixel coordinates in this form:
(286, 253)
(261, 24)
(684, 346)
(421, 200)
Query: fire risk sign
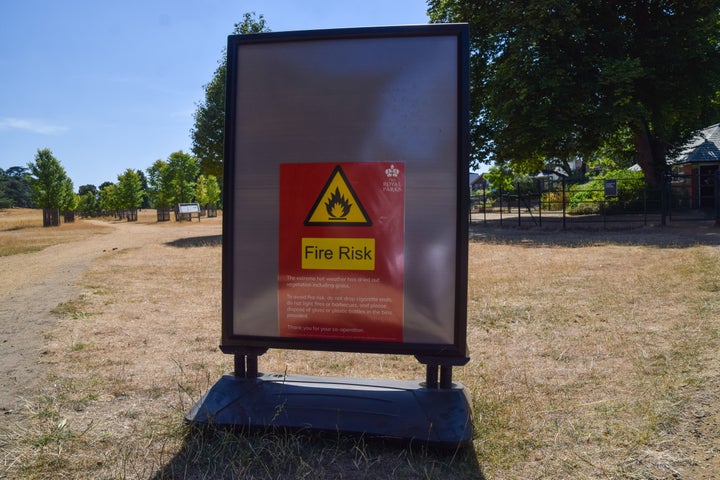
(341, 258)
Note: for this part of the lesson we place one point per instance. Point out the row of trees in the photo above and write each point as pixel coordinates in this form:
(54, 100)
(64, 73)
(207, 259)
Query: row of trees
(45, 184)
(166, 184)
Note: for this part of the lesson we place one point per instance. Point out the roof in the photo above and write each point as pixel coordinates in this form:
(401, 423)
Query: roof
(705, 147)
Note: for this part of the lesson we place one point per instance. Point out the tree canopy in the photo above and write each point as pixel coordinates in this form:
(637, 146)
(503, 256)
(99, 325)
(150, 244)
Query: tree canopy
(182, 172)
(208, 132)
(15, 188)
(129, 190)
(559, 79)
(51, 187)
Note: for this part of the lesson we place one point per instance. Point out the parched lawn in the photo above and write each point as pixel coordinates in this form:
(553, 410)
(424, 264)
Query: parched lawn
(589, 352)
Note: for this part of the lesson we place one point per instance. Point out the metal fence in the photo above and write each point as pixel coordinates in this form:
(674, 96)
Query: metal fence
(557, 203)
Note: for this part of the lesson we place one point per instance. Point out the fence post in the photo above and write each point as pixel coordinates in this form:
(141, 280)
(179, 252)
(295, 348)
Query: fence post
(484, 203)
(517, 191)
(540, 190)
(501, 204)
(563, 202)
(664, 200)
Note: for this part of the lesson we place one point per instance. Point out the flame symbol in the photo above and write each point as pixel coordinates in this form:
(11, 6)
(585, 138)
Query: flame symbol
(337, 206)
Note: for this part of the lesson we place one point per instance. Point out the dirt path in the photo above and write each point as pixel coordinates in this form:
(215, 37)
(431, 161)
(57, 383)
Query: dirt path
(46, 279)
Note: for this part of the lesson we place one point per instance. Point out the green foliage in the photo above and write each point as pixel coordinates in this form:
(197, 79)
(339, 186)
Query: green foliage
(15, 188)
(499, 178)
(209, 129)
(109, 198)
(207, 190)
(201, 196)
(181, 174)
(89, 204)
(51, 187)
(617, 152)
(504, 179)
(590, 197)
(213, 190)
(129, 190)
(159, 187)
(559, 80)
(173, 181)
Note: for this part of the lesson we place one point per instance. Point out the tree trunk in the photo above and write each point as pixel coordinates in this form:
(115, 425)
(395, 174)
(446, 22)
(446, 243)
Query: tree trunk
(651, 155)
(51, 217)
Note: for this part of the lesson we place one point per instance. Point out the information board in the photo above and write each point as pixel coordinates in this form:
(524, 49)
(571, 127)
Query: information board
(346, 190)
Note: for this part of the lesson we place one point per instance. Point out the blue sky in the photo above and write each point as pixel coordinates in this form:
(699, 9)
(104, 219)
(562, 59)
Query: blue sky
(111, 85)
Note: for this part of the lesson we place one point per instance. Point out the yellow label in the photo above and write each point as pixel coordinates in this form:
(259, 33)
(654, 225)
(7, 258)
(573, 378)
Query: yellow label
(338, 254)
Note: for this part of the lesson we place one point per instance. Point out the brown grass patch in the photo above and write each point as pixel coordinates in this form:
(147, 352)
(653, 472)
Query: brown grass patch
(588, 358)
(22, 231)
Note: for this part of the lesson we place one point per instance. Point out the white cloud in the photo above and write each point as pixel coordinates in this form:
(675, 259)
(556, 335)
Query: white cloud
(30, 126)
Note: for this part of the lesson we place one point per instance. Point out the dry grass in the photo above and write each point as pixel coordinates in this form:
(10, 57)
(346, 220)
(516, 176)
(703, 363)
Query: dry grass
(22, 231)
(586, 357)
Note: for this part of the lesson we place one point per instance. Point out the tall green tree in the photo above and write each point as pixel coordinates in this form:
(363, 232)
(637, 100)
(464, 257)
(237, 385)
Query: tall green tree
(558, 78)
(208, 132)
(181, 173)
(109, 198)
(159, 185)
(212, 190)
(207, 191)
(52, 188)
(129, 191)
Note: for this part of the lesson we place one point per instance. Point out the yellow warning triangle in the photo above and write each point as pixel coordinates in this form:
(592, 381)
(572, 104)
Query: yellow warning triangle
(337, 204)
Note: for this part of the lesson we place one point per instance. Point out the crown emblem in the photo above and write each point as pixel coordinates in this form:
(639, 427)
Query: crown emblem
(392, 172)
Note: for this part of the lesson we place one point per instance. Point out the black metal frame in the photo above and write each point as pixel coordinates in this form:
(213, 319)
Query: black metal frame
(247, 348)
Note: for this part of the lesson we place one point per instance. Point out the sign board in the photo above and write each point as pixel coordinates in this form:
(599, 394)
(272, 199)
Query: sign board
(611, 187)
(346, 191)
(188, 208)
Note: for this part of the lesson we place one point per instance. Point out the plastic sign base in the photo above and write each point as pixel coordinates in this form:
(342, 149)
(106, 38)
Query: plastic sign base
(379, 408)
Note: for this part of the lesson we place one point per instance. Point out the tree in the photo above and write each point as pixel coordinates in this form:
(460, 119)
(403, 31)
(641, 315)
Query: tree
(89, 188)
(109, 198)
(213, 190)
(159, 186)
(556, 79)
(181, 173)
(144, 185)
(201, 196)
(208, 132)
(89, 203)
(129, 192)
(15, 188)
(207, 191)
(52, 188)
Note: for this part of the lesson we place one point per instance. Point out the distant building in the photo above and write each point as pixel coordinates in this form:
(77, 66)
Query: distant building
(477, 182)
(697, 165)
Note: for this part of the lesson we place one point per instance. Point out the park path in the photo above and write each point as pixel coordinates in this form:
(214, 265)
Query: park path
(34, 284)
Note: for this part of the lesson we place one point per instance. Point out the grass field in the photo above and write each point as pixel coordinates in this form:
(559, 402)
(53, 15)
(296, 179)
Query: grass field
(593, 355)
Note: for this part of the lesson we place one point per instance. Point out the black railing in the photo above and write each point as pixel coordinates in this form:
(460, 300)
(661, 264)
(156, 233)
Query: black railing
(548, 202)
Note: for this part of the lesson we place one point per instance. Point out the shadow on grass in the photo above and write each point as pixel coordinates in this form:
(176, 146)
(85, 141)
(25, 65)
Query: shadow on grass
(683, 236)
(192, 242)
(228, 454)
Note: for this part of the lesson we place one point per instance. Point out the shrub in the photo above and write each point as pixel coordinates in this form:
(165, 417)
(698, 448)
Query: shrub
(590, 197)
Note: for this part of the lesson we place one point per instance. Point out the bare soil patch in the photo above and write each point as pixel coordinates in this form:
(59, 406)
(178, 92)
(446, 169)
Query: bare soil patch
(594, 355)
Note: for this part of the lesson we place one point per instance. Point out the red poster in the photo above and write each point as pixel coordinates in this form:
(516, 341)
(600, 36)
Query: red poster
(341, 258)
